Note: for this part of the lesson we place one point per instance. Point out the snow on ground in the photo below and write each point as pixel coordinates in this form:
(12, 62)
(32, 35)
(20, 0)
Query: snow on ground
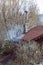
(15, 33)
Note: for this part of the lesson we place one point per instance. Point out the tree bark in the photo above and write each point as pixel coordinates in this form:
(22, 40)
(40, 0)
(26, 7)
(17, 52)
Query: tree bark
(24, 29)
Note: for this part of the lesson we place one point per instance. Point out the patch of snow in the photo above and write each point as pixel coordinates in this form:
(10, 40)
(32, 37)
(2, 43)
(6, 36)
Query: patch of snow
(15, 33)
(41, 63)
(18, 38)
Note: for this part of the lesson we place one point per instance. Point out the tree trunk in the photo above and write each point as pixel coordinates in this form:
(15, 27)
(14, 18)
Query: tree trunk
(24, 29)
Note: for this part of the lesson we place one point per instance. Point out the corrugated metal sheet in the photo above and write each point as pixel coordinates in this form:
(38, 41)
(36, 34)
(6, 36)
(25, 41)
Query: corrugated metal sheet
(34, 33)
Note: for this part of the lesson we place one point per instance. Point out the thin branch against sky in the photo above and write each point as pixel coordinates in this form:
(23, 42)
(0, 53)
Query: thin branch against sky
(39, 4)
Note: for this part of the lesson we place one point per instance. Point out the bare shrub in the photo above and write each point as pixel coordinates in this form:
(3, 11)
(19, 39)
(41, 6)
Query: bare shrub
(27, 54)
(7, 48)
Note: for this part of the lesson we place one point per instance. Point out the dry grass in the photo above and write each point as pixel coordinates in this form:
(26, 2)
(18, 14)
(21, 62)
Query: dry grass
(28, 53)
(24, 53)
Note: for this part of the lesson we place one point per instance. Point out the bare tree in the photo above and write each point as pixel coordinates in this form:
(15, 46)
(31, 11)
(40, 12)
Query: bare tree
(12, 14)
(33, 15)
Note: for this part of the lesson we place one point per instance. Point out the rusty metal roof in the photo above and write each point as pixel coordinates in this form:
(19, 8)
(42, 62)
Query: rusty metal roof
(34, 33)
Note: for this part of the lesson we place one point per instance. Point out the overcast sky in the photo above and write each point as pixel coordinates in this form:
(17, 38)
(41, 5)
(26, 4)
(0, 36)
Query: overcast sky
(40, 5)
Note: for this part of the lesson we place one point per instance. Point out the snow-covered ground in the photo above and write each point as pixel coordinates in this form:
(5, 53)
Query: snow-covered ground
(15, 33)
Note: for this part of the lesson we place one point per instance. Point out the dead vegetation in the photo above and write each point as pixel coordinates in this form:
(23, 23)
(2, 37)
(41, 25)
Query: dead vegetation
(23, 53)
(28, 53)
